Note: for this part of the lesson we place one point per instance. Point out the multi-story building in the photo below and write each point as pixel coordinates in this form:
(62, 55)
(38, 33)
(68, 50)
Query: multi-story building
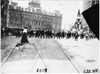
(86, 5)
(4, 10)
(33, 17)
(89, 3)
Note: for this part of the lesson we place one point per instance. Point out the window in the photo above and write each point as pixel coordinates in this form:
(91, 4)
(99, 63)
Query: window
(93, 2)
(42, 23)
(36, 23)
(97, 2)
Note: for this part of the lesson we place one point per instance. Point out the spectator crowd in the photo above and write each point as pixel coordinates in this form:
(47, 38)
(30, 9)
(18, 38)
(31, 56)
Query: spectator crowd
(41, 33)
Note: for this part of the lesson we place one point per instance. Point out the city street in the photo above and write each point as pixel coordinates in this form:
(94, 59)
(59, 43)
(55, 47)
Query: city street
(49, 36)
(84, 53)
(41, 54)
(49, 56)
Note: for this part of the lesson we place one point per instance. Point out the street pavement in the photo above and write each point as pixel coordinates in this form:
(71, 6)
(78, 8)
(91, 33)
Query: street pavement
(36, 56)
(7, 44)
(84, 53)
(6, 41)
(41, 54)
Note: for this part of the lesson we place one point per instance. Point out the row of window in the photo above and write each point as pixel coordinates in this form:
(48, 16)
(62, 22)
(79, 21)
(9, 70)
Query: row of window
(36, 17)
(18, 21)
(30, 16)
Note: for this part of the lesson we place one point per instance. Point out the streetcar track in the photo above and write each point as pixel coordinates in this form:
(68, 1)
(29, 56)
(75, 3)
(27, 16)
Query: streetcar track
(72, 62)
(38, 54)
(9, 46)
(4, 61)
(20, 49)
(8, 56)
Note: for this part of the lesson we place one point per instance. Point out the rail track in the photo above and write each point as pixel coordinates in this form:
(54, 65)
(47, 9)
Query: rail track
(21, 48)
(76, 66)
(39, 55)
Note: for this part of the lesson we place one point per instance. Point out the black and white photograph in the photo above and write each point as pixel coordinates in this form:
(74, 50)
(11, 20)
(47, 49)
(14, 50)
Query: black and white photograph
(49, 36)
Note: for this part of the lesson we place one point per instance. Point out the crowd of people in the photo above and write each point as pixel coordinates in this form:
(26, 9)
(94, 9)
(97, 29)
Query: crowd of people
(41, 33)
(5, 31)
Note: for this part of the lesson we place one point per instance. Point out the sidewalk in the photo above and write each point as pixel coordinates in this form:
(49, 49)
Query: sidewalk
(84, 53)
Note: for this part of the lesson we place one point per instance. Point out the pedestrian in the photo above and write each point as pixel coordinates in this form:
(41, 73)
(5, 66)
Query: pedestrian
(76, 36)
(24, 36)
(17, 33)
(30, 33)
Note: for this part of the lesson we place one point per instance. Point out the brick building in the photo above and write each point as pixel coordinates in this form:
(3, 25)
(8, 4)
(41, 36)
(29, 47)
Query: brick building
(33, 17)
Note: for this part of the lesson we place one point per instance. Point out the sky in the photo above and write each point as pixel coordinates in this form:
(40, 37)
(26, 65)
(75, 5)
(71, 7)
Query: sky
(68, 8)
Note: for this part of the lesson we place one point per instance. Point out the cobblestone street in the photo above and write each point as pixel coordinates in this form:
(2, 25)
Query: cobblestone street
(45, 54)
(7, 41)
(55, 55)
(50, 36)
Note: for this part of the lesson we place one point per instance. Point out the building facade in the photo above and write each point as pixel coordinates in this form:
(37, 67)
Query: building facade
(89, 3)
(33, 17)
(86, 5)
(4, 10)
